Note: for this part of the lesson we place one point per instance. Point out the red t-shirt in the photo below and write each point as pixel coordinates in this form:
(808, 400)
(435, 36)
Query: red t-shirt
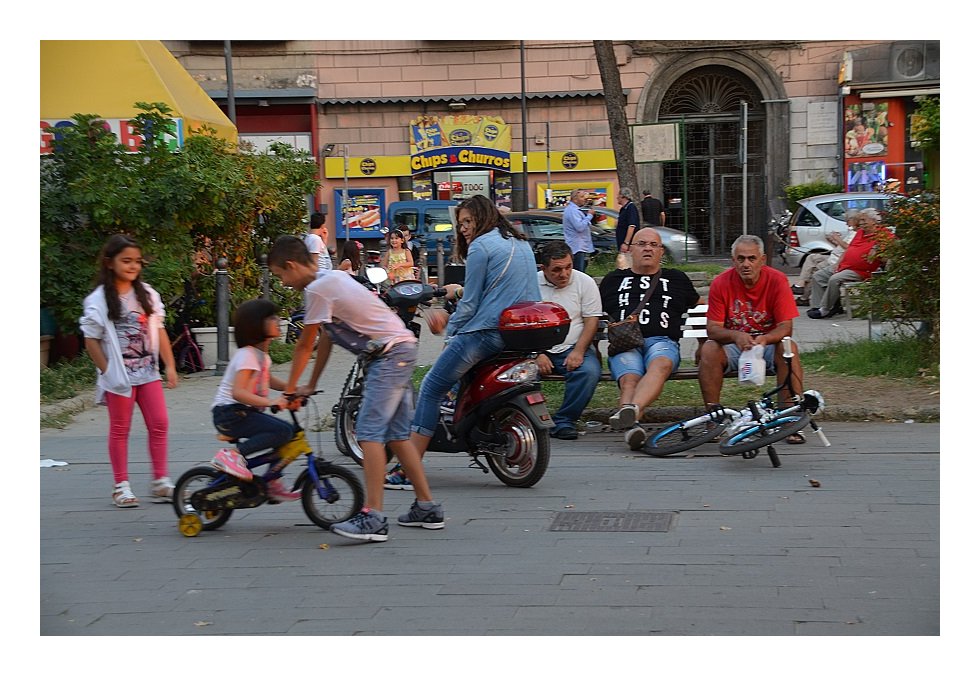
(754, 311)
(858, 255)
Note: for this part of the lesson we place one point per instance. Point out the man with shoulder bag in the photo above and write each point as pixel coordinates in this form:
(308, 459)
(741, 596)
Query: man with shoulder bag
(645, 305)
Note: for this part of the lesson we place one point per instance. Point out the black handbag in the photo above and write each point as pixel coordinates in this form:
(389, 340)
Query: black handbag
(627, 335)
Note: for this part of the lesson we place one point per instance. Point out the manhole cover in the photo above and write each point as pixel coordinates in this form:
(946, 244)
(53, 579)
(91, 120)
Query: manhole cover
(613, 522)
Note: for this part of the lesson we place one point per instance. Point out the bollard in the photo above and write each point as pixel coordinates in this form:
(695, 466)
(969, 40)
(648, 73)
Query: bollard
(264, 268)
(440, 264)
(423, 264)
(221, 309)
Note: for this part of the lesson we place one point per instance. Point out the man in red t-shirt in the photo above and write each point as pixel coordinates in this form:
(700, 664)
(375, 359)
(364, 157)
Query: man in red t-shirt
(749, 304)
(856, 264)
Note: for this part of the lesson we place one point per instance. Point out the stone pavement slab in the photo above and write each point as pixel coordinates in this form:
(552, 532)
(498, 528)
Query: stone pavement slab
(752, 550)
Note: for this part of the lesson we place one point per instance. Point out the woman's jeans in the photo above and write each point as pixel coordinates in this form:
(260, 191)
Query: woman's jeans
(462, 352)
(255, 430)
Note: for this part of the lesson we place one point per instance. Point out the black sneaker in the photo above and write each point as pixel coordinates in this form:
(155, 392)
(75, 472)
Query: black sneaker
(430, 519)
(566, 433)
(814, 313)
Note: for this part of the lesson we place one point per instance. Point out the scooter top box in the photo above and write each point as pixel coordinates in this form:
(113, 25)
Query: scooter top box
(533, 326)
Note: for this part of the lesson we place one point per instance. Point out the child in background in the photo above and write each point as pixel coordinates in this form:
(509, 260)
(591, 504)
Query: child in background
(397, 260)
(350, 257)
(244, 393)
(124, 335)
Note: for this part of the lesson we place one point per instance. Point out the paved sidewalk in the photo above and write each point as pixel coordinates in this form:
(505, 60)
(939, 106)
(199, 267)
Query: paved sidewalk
(750, 549)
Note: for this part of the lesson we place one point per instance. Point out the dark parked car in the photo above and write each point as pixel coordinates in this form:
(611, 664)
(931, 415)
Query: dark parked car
(542, 226)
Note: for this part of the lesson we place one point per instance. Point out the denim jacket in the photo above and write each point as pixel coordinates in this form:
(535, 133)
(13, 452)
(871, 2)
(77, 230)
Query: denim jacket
(486, 260)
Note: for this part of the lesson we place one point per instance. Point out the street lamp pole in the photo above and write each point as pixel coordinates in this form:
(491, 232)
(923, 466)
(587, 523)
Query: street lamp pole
(525, 204)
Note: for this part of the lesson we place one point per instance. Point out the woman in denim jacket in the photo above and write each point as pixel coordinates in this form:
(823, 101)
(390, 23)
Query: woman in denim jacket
(500, 271)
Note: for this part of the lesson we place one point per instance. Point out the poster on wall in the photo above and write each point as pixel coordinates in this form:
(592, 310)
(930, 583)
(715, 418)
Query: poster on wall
(865, 129)
(502, 190)
(421, 188)
(365, 213)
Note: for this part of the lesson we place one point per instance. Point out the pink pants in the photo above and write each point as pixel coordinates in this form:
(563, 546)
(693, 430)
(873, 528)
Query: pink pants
(153, 406)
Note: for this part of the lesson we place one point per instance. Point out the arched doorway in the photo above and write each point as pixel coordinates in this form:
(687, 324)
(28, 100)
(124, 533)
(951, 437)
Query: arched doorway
(707, 103)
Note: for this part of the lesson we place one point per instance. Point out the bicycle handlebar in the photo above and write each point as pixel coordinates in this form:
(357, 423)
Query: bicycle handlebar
(293, 397)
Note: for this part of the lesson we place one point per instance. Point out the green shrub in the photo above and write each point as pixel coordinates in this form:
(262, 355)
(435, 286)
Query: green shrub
(795, 193)
(281, 353)
(907, 291)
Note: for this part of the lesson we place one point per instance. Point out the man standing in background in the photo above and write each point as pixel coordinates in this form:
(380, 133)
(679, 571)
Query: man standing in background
(575, 222)
(316, 241)
(652, 210)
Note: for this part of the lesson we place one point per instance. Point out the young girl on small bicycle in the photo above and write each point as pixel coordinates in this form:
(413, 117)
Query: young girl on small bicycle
(243, 394)
(124, 335)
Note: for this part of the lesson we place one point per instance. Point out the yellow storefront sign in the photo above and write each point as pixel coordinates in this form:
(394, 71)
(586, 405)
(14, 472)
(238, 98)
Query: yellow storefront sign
(537, 162)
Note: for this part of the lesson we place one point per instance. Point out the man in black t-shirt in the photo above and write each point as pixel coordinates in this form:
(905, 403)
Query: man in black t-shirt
(641, 373)
(652, 210)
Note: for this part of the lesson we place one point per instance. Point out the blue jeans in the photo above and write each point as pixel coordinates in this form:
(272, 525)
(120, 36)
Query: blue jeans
(462, 352)
(580, 260)
(256, 431)
(386, 407)
(579, 386)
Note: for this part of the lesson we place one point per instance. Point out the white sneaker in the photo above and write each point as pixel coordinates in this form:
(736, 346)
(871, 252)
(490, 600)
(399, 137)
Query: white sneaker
(625, 417)
(635, 438)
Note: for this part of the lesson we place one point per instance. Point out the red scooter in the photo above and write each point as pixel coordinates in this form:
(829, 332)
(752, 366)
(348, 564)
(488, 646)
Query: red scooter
(498, 414)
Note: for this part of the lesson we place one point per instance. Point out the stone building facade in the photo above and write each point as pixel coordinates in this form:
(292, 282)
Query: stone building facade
(363, 108)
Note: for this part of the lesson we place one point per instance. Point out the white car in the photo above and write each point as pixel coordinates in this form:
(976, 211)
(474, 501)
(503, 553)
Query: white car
(821, 215)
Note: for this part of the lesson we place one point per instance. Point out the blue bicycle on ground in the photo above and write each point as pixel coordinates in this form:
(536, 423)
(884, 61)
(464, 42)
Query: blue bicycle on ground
(205, 497)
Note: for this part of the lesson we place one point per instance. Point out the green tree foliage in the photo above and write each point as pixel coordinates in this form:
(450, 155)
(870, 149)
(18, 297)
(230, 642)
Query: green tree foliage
(907, 291)
(187, 208)
(925, 123)
(795, 193)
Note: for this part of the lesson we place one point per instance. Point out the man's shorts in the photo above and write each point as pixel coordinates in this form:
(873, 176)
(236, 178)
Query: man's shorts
(633, 362)
(769, 354)
(388, 404)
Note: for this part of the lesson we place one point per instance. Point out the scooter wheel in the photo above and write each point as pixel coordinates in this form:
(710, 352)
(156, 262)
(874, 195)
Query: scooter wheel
(190, 525)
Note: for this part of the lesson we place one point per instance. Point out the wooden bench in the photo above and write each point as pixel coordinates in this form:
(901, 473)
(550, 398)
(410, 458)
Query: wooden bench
(694, 326)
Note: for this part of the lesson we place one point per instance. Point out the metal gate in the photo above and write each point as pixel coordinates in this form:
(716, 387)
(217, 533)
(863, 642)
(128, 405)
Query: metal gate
(714, 185)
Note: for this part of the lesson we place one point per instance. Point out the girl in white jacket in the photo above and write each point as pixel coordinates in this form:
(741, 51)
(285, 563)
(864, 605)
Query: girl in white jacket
(124, 334)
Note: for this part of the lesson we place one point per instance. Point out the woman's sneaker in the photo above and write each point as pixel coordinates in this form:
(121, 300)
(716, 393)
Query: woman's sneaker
(430, 517)
(230, 461)
(397, 481)
(365, 525)
(276, 490)
(162, 489)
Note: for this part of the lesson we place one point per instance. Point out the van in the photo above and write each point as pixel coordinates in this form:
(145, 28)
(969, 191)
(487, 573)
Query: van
(429, 222)
(821, 215)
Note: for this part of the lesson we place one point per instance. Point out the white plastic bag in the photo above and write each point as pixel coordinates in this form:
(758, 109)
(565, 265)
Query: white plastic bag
(752, 366)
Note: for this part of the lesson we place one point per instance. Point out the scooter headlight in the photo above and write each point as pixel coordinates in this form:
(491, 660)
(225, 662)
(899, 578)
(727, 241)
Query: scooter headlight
(524, 372)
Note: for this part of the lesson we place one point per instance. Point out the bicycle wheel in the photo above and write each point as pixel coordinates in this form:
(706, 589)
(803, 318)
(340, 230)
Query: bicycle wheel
(345, 495)
(674, 438)
(189, 483)
(757, 436)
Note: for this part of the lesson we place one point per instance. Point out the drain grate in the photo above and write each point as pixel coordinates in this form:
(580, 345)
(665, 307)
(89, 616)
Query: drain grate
(613, 522)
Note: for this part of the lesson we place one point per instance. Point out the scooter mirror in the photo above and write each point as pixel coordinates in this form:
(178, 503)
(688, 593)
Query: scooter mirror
(376, 275)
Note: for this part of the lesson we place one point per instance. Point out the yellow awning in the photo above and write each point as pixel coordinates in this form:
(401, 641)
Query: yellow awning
(107, 77)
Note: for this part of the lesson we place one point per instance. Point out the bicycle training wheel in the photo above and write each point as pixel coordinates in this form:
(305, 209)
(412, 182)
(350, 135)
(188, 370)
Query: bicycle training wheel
(757, 436)
(189, 483)
(674, 438)
(345, 495)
